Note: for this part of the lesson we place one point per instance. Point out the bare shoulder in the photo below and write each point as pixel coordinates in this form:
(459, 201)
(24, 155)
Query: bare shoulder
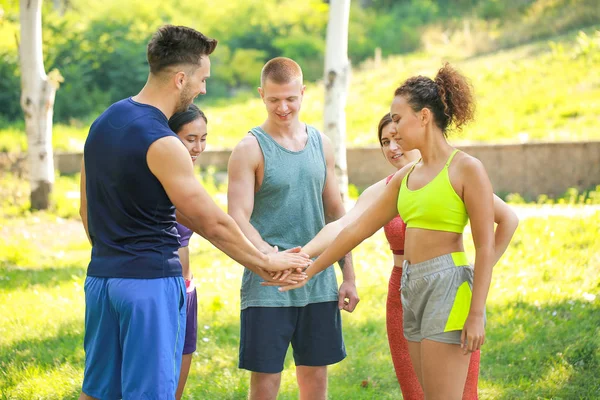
(165, 142)
(467, 165)
(469, 171)
(248, 143)
(247, 150)
(327, 143)
(325, 139)
(165, 148)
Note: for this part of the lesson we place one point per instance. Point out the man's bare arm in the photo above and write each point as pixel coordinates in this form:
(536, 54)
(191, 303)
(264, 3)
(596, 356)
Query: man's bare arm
(241, 173)
(332, 199)
(334, 210)
(169, 161)
(83, 201)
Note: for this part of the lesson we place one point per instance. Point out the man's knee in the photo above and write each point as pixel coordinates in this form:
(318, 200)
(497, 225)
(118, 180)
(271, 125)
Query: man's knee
(312, 376)
(264, 386)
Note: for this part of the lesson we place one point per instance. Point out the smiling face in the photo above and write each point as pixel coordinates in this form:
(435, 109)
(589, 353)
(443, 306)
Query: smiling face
(392, 150)
(283, 101)
(193, 135)
(408, 123)
(193, 85)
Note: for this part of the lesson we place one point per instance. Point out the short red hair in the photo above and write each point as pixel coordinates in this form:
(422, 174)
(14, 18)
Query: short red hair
(280, 70)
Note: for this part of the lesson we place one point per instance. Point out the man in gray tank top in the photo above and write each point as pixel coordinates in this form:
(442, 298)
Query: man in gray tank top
(282, 191)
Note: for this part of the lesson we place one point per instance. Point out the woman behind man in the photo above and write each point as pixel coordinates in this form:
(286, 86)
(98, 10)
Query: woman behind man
(443, 300)
(191, 127)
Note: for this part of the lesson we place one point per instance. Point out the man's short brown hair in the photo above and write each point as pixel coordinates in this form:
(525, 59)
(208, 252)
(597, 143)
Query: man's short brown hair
(280, 70)
(172, 45)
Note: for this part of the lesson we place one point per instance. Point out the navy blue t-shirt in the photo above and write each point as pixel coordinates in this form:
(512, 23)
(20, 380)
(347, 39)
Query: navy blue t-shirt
(131, 220)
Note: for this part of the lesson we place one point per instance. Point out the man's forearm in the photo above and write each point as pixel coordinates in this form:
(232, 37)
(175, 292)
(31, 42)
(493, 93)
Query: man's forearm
(227, 237)
(253, 236)
(347, 267)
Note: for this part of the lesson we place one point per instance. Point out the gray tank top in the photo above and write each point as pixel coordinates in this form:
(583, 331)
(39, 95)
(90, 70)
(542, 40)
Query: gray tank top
(288, 212)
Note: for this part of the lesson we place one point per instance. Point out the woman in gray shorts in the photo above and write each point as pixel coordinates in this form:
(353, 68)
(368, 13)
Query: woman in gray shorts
(443, 296)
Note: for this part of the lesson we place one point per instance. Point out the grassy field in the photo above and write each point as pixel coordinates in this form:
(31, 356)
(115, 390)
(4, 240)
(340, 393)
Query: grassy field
(543, 310)
(547, 90)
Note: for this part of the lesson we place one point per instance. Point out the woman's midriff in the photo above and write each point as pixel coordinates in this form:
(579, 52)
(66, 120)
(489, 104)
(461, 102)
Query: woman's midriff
(424, 244)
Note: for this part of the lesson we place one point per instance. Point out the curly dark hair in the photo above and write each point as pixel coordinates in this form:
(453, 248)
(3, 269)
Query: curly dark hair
(172, 45)
(449, 97)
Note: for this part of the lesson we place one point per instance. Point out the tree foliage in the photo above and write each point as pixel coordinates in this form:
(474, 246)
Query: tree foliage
(99, 46)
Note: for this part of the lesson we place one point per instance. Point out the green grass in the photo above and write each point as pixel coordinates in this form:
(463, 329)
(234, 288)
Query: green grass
(543, 332)
(64, 137)
(15, 192)
(546, 90)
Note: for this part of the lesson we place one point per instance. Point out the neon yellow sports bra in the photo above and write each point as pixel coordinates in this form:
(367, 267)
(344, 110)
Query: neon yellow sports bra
(435, 206)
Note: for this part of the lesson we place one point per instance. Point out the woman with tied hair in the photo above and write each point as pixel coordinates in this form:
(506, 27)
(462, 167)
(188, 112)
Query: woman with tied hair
(395, 230)
(191, 128)
(443, 296)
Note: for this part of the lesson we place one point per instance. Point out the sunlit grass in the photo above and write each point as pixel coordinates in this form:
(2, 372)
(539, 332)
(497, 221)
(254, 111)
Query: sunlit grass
(542, 334)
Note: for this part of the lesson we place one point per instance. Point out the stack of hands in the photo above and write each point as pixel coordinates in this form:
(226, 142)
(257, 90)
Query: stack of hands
(296, 277)
(281, 274)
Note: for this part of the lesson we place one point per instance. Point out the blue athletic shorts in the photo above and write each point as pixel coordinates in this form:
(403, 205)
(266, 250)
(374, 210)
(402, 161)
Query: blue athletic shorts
(134, 331)
(315, 332)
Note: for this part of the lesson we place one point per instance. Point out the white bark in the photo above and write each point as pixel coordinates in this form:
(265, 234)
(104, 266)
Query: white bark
(37, 101)
(337, 75)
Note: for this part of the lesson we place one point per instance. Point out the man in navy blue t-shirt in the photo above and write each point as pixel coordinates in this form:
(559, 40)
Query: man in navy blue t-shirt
(134, 174)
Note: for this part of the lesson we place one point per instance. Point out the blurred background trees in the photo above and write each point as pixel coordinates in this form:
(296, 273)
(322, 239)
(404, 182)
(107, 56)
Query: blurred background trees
(99, 47)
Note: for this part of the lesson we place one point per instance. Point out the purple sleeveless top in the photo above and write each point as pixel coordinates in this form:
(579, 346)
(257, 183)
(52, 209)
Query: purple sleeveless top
(184, 235)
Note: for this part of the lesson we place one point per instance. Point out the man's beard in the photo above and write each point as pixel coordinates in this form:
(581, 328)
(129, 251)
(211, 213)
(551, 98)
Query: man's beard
(185, 100)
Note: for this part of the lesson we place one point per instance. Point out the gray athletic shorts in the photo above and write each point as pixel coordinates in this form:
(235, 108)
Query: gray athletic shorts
(436, 298)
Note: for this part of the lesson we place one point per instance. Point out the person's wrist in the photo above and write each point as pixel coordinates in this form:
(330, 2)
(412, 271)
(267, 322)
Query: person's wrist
(476, 313)
(266, 249)
(265, 261)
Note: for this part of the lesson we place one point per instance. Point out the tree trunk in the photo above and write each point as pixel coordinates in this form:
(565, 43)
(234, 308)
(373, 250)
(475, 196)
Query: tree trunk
(337, 75)
(37, 101)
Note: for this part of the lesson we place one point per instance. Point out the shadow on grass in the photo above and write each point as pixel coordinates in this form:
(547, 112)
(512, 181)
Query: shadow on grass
(18, 278)
(531, 352)
(366, 373)
(552, 351)
(37, 356)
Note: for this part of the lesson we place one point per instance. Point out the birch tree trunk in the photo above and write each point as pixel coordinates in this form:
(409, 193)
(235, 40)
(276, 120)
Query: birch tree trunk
(37, 101)
(337, 75)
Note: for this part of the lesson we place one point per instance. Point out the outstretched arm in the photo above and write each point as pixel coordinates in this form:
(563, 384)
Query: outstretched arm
(328, 234)
(380, 212)
(334, 210)
(169, 161)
